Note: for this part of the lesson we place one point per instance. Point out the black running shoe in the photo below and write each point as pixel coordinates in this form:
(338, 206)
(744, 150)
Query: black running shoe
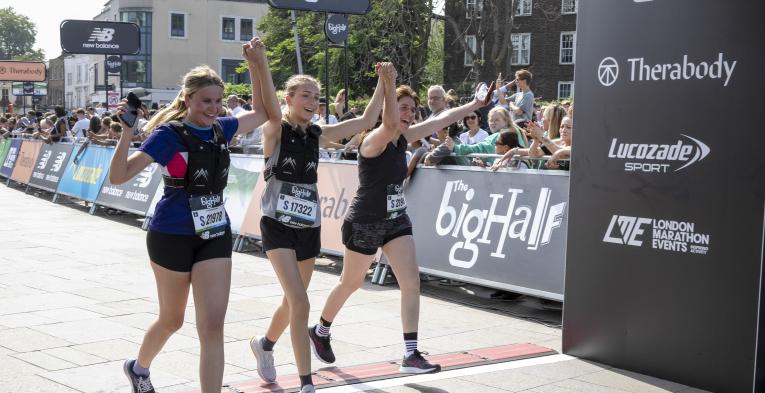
(416, 364)
(320, 346)
(140, 384)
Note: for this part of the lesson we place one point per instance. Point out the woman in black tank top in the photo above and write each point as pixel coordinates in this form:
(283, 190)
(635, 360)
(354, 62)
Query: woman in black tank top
(292, 250)
(377, 217)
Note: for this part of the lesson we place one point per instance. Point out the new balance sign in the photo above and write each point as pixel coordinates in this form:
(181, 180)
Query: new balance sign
(109, 38)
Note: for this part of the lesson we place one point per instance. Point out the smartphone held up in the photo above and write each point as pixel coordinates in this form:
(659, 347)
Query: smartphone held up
(131, 113)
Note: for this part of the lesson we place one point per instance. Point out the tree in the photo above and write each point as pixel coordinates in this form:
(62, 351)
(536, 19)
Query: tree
(394, 30)
(17, 37)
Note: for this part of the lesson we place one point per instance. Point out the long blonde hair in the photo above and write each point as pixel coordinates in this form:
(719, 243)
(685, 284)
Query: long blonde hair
(555, 114)
(198, 78)
(291, 86)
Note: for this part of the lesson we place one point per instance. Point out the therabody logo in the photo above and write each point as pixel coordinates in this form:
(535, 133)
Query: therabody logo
(665, 235)
(659, 158)
(686, 69)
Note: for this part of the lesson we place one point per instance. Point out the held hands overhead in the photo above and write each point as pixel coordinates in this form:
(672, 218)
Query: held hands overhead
(254, 51)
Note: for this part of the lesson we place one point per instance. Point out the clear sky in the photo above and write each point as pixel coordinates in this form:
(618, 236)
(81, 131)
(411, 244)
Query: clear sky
(47, 15)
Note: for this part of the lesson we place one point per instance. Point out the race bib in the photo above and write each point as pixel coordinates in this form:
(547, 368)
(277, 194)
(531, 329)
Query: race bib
(209, 215)
(297, 206)
(396, 203)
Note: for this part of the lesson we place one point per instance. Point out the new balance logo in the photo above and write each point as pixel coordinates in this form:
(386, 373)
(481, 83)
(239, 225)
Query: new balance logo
(199, 174)
(101, 34)
(626, 230)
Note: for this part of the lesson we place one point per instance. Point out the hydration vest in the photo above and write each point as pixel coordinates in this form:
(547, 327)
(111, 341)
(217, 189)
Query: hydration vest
(298, 155)
(208, 162)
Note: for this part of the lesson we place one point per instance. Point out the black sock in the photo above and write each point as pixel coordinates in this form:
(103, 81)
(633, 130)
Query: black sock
(322, 329)
(305, 380)
(324, 322)
(410, 343)
(268, 345)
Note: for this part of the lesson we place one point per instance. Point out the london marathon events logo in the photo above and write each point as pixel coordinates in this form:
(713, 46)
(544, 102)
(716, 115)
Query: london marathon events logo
(660, 234)
(687, 68)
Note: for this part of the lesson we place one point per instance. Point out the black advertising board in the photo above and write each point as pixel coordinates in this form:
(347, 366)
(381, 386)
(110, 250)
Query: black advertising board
(359, 7)
(336, 28)
(503, 230)
(50, 165)
(93, 37)
(135, 195)
(665, 239)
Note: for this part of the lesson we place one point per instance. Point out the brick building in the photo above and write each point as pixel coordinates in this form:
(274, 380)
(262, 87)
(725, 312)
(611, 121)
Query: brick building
(485, 37)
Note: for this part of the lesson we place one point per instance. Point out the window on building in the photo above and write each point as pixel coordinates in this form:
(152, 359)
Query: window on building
(229, 74)
(177, 25)
(69, 78)
(523, 7)
(140, 18)
(134, 71)
(79, 73)
(568, 6)
(245, 29)
(565, 90)
(470, 45)
(228, 27)
(473, 7)
(567, 47)
(521, 54)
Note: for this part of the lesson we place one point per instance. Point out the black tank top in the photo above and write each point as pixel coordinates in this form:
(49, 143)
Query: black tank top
(380, 195)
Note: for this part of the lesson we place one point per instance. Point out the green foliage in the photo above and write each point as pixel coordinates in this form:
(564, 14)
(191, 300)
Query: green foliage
(238, 89)
(17, 36)
(394, 30)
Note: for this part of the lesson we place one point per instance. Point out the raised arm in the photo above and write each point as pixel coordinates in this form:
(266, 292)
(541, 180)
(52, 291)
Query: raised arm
(349, 128)
(122, 167)
(374, 144)
(431, 125)
(257, 66)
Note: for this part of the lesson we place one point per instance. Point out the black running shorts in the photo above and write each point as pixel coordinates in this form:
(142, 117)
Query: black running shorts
(366, 238)
(305, 241)
(180, 252)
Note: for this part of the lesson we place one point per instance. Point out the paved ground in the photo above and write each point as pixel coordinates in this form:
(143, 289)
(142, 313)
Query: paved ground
(76, 293)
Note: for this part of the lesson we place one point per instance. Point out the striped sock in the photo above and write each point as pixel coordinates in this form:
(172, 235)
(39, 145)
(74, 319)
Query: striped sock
(410, 342)
(322, 329)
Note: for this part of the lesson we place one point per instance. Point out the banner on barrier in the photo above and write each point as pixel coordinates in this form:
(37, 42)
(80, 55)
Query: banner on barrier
(83, 180)
(26, 161)
(5, 144)
(10, 158)
(50, 165)
(337, 186)
(504, 230)
(243, 174)
(135, 195)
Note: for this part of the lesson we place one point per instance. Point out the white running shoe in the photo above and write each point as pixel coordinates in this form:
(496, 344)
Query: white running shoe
(265, 360)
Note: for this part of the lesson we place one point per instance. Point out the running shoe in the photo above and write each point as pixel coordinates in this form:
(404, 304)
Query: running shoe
(416, 364)
(140, 384)
(320, 346)
(265, 360)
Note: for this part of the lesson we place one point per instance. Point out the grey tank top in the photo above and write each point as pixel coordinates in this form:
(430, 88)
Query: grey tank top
(295, 205)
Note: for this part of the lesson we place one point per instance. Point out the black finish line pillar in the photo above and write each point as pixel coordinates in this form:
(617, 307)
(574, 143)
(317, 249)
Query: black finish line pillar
(665, 235)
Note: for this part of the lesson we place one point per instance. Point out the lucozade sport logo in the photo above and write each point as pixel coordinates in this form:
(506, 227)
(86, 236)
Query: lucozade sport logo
(665, 235)
(531, 225)
(659, 158)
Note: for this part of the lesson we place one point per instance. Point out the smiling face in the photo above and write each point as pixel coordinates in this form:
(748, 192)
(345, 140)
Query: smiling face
(566, 129)
(471, 121)
(406, 110)
(204, 105)
(303, 103)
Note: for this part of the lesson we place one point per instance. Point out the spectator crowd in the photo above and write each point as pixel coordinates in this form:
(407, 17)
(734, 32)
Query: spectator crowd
(514, 129)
